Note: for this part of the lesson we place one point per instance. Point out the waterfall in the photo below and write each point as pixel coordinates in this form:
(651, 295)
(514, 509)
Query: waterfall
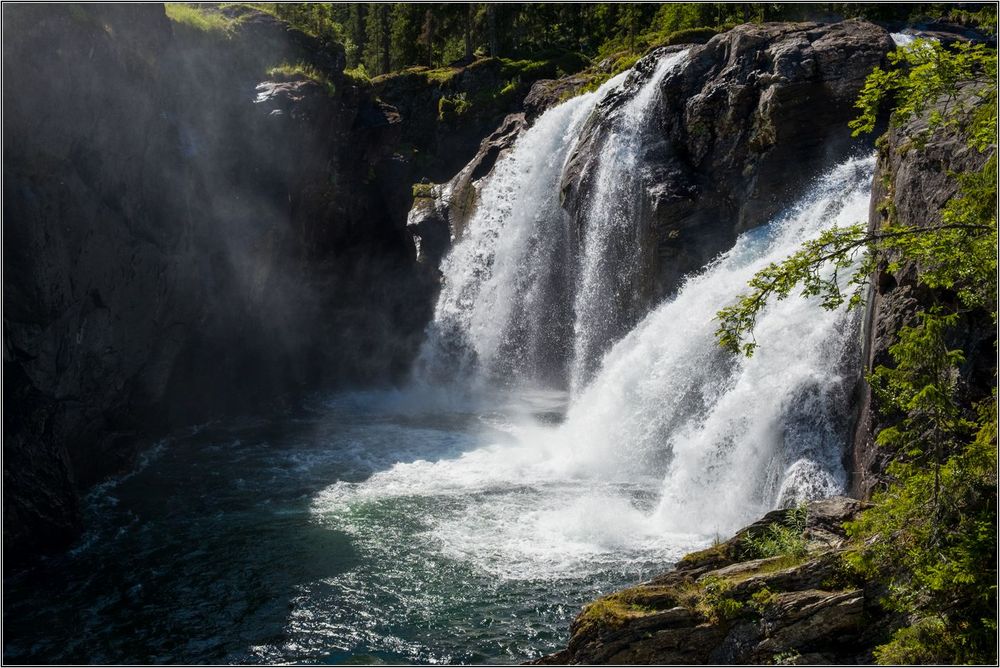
(666, 435)
(609, 293)
(520, 302)
(732, 437)
(674, 440)
(501, 311)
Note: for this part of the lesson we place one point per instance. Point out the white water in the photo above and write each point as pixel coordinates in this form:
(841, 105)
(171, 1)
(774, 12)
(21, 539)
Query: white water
(615, 232)
(674, 441)
(502, 312)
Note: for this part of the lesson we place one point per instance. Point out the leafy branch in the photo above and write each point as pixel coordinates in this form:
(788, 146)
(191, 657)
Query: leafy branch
(816, 268)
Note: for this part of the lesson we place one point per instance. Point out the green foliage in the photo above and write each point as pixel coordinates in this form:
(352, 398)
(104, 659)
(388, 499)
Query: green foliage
(780, 539)
(956, 84)
(717, 603)
(451, 107)
(204, 20)
(931, 534)
(925, 642)
(317, 19)
(761, 599)
(358, 74)
(787, 658)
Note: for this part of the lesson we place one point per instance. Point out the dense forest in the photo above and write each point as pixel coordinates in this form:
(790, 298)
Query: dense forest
(379, 38)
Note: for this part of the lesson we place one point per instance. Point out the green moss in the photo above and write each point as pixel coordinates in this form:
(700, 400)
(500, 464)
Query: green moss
(614, 610)
(423, 190)
(787, 658)
(709, 555)
(442, 75)
(690, 36)
(452, 107)
(773, 565)
(204, 20)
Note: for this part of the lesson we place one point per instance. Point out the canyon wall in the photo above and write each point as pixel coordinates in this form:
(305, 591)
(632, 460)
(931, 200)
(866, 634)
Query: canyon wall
(184, 237)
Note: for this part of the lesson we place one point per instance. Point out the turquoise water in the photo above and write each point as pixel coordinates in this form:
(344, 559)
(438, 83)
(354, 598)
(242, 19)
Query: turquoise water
(364, 528)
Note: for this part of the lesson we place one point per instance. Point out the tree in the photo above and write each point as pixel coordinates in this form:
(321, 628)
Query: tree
(931, 535)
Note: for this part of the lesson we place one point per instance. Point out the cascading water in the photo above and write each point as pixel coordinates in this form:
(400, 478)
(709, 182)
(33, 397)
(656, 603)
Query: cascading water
(501, 311)
(609, 294)
(393, 527)
(670, 430)
(673, 440)
(732, 437)
(517, 304)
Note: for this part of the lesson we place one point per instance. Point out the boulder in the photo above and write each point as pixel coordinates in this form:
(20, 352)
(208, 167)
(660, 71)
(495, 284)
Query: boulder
(721, 607)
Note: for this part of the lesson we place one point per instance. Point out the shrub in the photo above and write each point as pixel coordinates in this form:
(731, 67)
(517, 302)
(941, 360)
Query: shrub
(358, 74)
(716, 603)
(780, 539)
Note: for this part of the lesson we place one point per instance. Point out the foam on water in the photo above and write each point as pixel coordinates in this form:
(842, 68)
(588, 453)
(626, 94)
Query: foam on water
(673, 441)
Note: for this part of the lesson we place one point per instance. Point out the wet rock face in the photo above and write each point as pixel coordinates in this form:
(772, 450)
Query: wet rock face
(182, 240)
(912, 185)
(723, 606)
(743, 126)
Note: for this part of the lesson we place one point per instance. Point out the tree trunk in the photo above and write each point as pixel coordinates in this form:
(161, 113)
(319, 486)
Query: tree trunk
(468, 32)
(491, 22)
(385, 37)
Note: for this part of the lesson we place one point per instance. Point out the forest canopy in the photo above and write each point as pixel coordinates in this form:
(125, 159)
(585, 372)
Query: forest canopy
(380, 38)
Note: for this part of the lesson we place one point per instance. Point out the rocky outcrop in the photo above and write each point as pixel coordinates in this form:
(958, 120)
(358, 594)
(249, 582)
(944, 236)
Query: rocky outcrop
(440, 212)
(731, 605)
(733, 118)
(447, 111)
(184, 237)
(914, 181)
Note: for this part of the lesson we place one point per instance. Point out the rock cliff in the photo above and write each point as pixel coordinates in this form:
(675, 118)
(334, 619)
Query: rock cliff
(731, 119)
(914, 180)
(185, 235)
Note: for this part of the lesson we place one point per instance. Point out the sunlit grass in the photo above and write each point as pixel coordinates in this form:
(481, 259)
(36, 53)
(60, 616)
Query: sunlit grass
(205, 20)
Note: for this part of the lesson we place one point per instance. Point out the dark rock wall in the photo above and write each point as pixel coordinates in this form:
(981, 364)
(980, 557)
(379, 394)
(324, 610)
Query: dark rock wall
(746, 123)
(174, 250)
(742, 128)
(913, 182)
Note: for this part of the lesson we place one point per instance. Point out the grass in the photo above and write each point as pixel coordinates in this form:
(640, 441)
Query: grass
(204, 20)
(780, 539)
(300, 70)
(615, 609)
